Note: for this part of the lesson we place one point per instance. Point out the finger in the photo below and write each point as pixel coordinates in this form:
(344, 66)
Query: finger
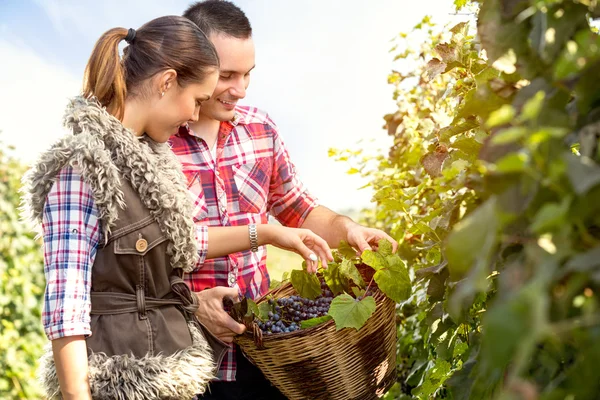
(309, 256)
(363, 245)
(226, 338)
(321, 248)
(232, 292)
(234, 326)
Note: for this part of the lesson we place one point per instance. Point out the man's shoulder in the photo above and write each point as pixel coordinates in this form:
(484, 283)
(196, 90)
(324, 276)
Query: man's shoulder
(248, 115)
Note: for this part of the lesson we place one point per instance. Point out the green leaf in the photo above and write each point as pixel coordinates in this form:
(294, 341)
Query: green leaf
(274, 284)
(346, 251)
(348, 269)
(532, 107)
(358, 292)
(384, 247)
(501, 116)
(348, 312)
(394, 280)
(309, 323)
(373, 259)
(513, 162)
(551, 215)
(459, 4)
(335, 280)
(472, 240)
(583, 173)
(509, 135)
(263, 310)
(307, 285)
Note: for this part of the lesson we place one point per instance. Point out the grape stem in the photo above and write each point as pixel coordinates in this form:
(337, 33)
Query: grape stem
(369, 285)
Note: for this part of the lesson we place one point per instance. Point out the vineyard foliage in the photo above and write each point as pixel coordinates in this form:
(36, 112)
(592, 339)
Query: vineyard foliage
(492, 187)
(21, 290)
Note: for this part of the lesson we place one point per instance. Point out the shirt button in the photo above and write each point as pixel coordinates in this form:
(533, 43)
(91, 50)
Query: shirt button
(231, 279)
(217, 173)
(141, 245)
(223, 208)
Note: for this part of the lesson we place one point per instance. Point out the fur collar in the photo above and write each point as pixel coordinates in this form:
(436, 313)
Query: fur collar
(103, 151)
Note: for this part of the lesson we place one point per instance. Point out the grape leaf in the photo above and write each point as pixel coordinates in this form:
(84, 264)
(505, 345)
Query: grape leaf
(373, 259)
(252, 308)
(263, 310)
(314, 321)
(348, 269)
(358, 292)
(384, 247)
(346, 251)
(307, 285)
(348, 312)
(274, 284)
(336, 282)
(394, 281)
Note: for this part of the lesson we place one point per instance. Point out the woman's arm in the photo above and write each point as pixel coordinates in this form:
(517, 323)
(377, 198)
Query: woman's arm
(223, 240)
(71, 233)
(70, 357)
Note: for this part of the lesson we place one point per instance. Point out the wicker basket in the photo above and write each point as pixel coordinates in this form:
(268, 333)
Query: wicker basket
(322, 363)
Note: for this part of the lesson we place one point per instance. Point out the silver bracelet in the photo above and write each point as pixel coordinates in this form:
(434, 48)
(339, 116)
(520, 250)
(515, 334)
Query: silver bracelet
(253, 237)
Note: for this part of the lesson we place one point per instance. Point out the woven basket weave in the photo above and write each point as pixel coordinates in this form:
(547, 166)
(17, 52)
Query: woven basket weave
(322, 363)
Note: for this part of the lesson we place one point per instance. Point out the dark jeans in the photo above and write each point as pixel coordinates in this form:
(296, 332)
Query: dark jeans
(250, 384)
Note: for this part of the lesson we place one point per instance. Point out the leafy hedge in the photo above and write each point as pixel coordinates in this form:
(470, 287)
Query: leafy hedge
(492, 187)
(21, 290)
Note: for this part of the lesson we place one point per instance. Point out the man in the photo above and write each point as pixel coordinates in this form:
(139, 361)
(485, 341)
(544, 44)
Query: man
(238, 170)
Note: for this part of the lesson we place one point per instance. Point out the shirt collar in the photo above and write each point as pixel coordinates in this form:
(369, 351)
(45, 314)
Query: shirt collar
(238, 119)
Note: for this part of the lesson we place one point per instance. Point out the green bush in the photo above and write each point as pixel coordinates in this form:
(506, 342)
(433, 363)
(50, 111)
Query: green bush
(21, 290)
(492, 188)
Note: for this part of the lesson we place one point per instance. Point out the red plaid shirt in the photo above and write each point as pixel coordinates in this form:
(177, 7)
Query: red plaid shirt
(251, 176)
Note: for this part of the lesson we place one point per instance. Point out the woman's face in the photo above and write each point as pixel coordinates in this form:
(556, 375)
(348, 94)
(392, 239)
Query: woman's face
(178, 106)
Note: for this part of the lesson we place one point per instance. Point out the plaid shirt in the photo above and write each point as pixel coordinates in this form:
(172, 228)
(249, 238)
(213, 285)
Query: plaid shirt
(251, 177)
(71, 233)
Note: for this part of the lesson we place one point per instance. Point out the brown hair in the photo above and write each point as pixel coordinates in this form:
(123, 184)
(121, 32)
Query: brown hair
(164, 43)
(219, 16)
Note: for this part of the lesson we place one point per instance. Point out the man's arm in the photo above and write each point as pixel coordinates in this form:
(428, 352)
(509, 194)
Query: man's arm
(334, 227)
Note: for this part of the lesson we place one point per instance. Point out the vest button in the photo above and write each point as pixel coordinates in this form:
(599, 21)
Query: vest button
(141, 245)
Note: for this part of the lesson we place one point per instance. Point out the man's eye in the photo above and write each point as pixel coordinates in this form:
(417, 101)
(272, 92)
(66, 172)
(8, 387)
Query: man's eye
(198, 103)
(225, 77)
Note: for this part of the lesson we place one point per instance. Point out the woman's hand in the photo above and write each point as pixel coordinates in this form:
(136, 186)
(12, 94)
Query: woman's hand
(301, 241)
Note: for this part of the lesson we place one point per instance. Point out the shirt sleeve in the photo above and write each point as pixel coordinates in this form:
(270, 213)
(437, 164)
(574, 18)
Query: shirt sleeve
(71, 234)
(202, 243)
(289, 201)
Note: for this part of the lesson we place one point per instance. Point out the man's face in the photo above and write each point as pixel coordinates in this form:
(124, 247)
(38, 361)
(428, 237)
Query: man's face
(237, 60)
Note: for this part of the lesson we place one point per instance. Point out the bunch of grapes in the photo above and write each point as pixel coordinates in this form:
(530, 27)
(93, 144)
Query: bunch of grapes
(288, 312)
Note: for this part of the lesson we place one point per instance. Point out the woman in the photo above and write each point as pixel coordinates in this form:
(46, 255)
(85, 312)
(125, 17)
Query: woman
(116, 224)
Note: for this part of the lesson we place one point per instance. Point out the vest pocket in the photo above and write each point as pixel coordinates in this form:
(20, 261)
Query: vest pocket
(140, 241)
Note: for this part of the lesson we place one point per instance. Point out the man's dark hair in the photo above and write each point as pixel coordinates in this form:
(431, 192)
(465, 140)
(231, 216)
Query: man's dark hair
(219, 16)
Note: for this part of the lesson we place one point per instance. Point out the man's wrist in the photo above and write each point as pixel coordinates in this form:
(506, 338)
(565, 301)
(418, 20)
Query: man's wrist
(253, 235)
(344, 224)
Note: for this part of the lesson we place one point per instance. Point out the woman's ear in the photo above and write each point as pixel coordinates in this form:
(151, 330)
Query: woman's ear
(164, 81)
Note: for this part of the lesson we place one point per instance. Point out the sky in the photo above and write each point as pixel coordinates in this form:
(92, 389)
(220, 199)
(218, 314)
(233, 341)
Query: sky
(321, 73)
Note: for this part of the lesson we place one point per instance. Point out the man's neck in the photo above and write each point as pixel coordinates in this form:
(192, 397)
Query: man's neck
(207, 129)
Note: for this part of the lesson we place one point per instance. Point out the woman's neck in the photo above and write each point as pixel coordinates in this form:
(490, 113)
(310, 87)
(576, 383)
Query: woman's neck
(134, 117)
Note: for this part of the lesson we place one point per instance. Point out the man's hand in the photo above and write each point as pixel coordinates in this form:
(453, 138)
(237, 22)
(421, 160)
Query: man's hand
(212, 314)
(334, 228)
(363, 238)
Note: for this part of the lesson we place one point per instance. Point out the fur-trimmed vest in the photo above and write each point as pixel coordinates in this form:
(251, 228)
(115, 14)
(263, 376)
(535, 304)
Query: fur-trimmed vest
(145, 342)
